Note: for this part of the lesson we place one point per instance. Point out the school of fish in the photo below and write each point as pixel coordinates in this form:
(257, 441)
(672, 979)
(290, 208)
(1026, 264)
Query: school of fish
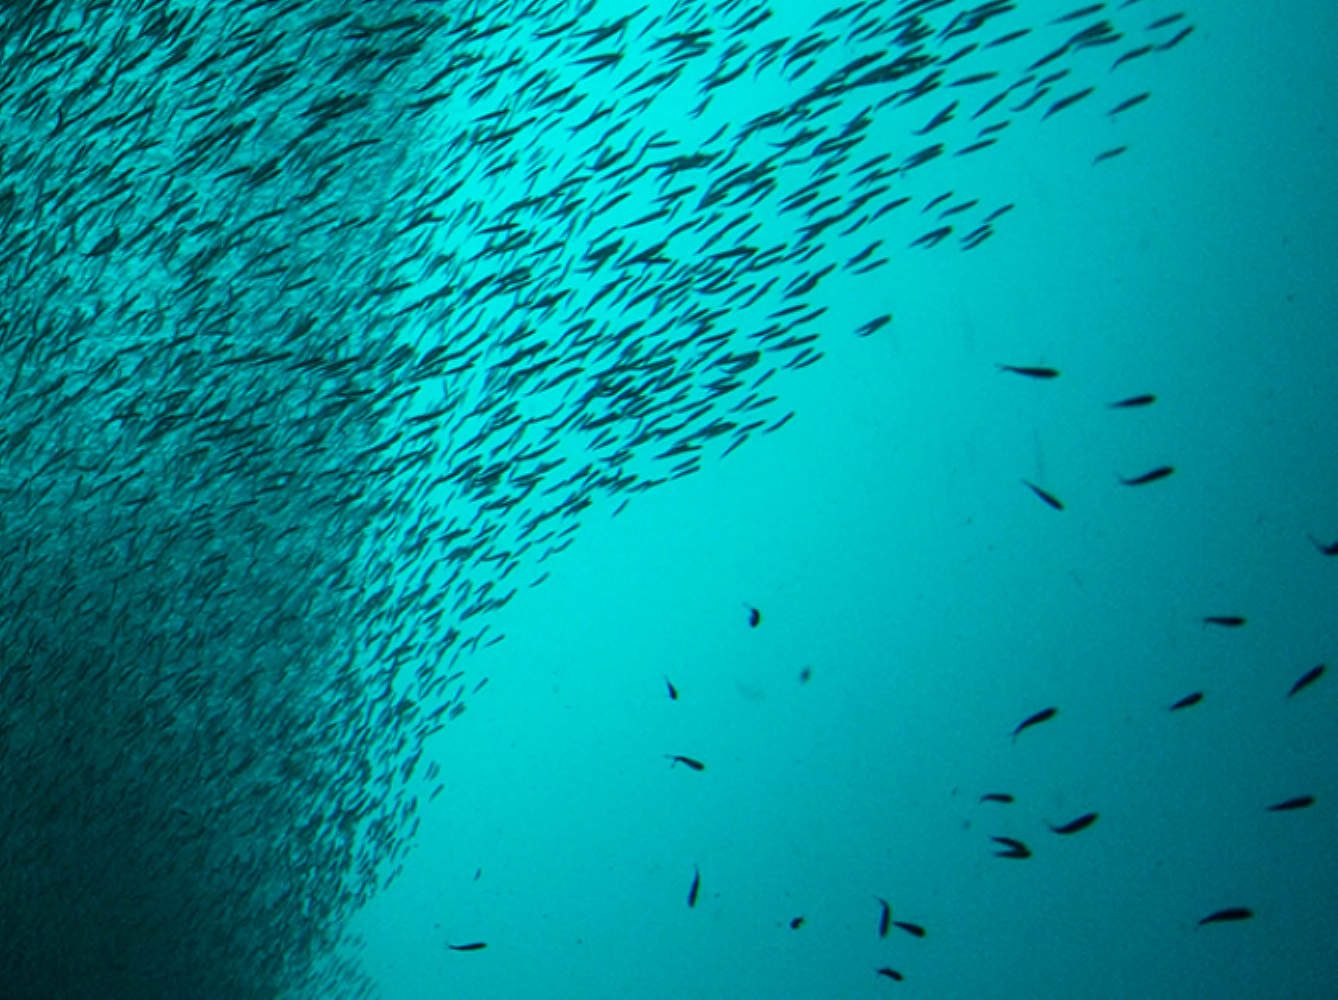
(322, 322)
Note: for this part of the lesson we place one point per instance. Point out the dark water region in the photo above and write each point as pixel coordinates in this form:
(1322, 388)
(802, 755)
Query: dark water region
(324, 326)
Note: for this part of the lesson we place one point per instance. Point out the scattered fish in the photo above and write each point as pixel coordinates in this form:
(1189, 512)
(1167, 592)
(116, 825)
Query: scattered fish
(1229, 915)
(1161, 472)
(1075, 825)
(1015, 848)
(1306, 679)
(1047, 497)
(1187, 701)
(1044, 715)
(696, 887)
(696, 765)
(1147, 399)
(1300, 802)
(1037, 373)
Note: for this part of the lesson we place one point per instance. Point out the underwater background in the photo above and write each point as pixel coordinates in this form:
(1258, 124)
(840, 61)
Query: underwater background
(315, 356)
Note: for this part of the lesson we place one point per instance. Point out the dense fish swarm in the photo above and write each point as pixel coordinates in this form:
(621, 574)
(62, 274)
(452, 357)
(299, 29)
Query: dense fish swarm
(319, 319)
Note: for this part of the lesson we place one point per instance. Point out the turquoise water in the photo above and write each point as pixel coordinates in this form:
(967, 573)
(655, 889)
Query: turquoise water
(917, 600)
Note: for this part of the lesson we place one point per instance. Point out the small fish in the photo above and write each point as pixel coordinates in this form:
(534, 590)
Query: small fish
(1225, 621)
(996, 797)
(1230, 914)
(1300, 802)
(891, 973)
(1161, 472)
(1124, 106)
(1048, 498)
(913, 929)
(884, 921)
(1147, 399)
(1044, 715)
(1307, 678)
(1329, 550)
(1075, 825)
(1109, 154)
(754, 617)
(1187, 700)
(1042, 373)
(472, 946)
(796, 923)
(696, 765)
(673, 691)
(696, 887)
(1016, 849)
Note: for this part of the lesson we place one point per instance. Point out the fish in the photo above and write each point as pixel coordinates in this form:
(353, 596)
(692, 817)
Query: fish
(673, 691)
(796, 923)
(1299, 802)
(915, 930)
(1044, 715)
(1187, 701)
(306, 392)
(1048, 498)
(1075, 825)
(885, 917)
(1161, 472)
(890, 973)
(1229, 915)
(1037, 373)
(1126, 105)
(754, 618)
(1015, 848)
(1147, 399)
(472, 946)
(996, 797)
(696, 765)
(1306, 679)
(695, 888)
(1328, 549)
(1224, 621)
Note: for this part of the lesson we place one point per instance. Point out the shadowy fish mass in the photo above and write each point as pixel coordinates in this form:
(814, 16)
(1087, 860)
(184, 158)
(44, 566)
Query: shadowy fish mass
(323, 322)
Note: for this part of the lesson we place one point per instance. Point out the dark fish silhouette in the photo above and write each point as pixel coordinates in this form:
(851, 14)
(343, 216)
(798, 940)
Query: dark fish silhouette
(1300, 802)
(1048, 498)
(696, 887)
(472, 946)
(996, 797)
(796, 923)
(673, 691)
(1161, 472)
(1040, 373)
(1044, 715)
(1228, 915)
(1187, 700)
(696, 765)
(913, 929)
(1075, 825)
(1145, 400)
(885, 920)
(1016, 849)
(1224, 621)
(1329, 550)
(1306, 679)
(754, 617)
(1124, 106)
(891, 974)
